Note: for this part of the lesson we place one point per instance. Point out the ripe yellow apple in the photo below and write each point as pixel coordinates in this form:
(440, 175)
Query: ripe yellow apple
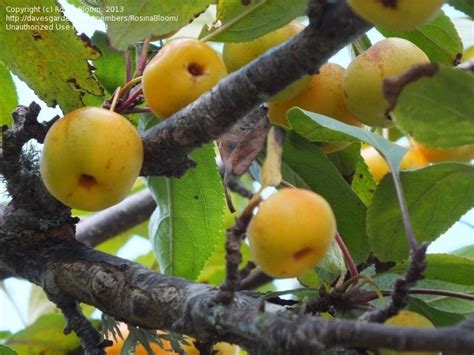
(410, 320)
(115, 349)
(364, 78)
(291, 232)
(236, 55)
(396, 15)
(463, 153)
(324, 95)
(91, 158)
(182, 71)
(378, 167)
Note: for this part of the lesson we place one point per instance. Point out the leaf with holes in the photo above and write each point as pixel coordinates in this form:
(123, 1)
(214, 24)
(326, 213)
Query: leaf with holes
(437, 196)
(52, 63)
(188, 220)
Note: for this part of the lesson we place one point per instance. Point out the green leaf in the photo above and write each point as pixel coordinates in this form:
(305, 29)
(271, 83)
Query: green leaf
(144, 18)
(346, 160)
(438, 110)
(466, 6)
(437, 196)
(444, 267)
(363, 183)
(254, 18)
(444, 303)
(303, 123)
(314, 127)
(332, 265)
(51, 62)
(187, 223)
(305, 166)
(45, 336)
(437, 317)
(4, 334)
(110, 67)
(437, 38)
(4, 350)
(465, 252)
(8, 98)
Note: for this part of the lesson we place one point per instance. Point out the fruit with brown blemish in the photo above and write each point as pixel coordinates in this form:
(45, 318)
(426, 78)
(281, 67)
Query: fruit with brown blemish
(291, 232)
(363, 82)
(182, 71)
(91, 158)
(237, 55)
(396, 15)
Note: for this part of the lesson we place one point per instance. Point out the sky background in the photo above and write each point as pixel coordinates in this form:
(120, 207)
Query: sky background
(14, 316)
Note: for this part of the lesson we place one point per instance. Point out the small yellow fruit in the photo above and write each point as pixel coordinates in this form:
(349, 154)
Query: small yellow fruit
(407, 319)
(324, 95)
(396, 15)
(91, 158)
(237, 55)
(182, 71)
(291, 232)
(463, 153)
(364, 78)
(378, 167)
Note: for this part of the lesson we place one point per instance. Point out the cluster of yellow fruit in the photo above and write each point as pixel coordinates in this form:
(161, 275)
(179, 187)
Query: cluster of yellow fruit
(189, 349)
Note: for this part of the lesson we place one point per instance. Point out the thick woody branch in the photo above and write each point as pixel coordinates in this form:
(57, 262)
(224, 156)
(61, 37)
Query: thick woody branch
(154, 301)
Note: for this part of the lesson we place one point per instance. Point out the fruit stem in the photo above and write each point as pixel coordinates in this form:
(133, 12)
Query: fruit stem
(130, 100)
(143, 58)
(115, 99)
(129, 85)
(128, 65)
(232, 22)
(351, 265)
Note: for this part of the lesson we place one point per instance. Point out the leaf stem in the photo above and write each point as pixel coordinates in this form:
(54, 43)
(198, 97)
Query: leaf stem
(404, 208)
(371, 296)
(232, 22)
